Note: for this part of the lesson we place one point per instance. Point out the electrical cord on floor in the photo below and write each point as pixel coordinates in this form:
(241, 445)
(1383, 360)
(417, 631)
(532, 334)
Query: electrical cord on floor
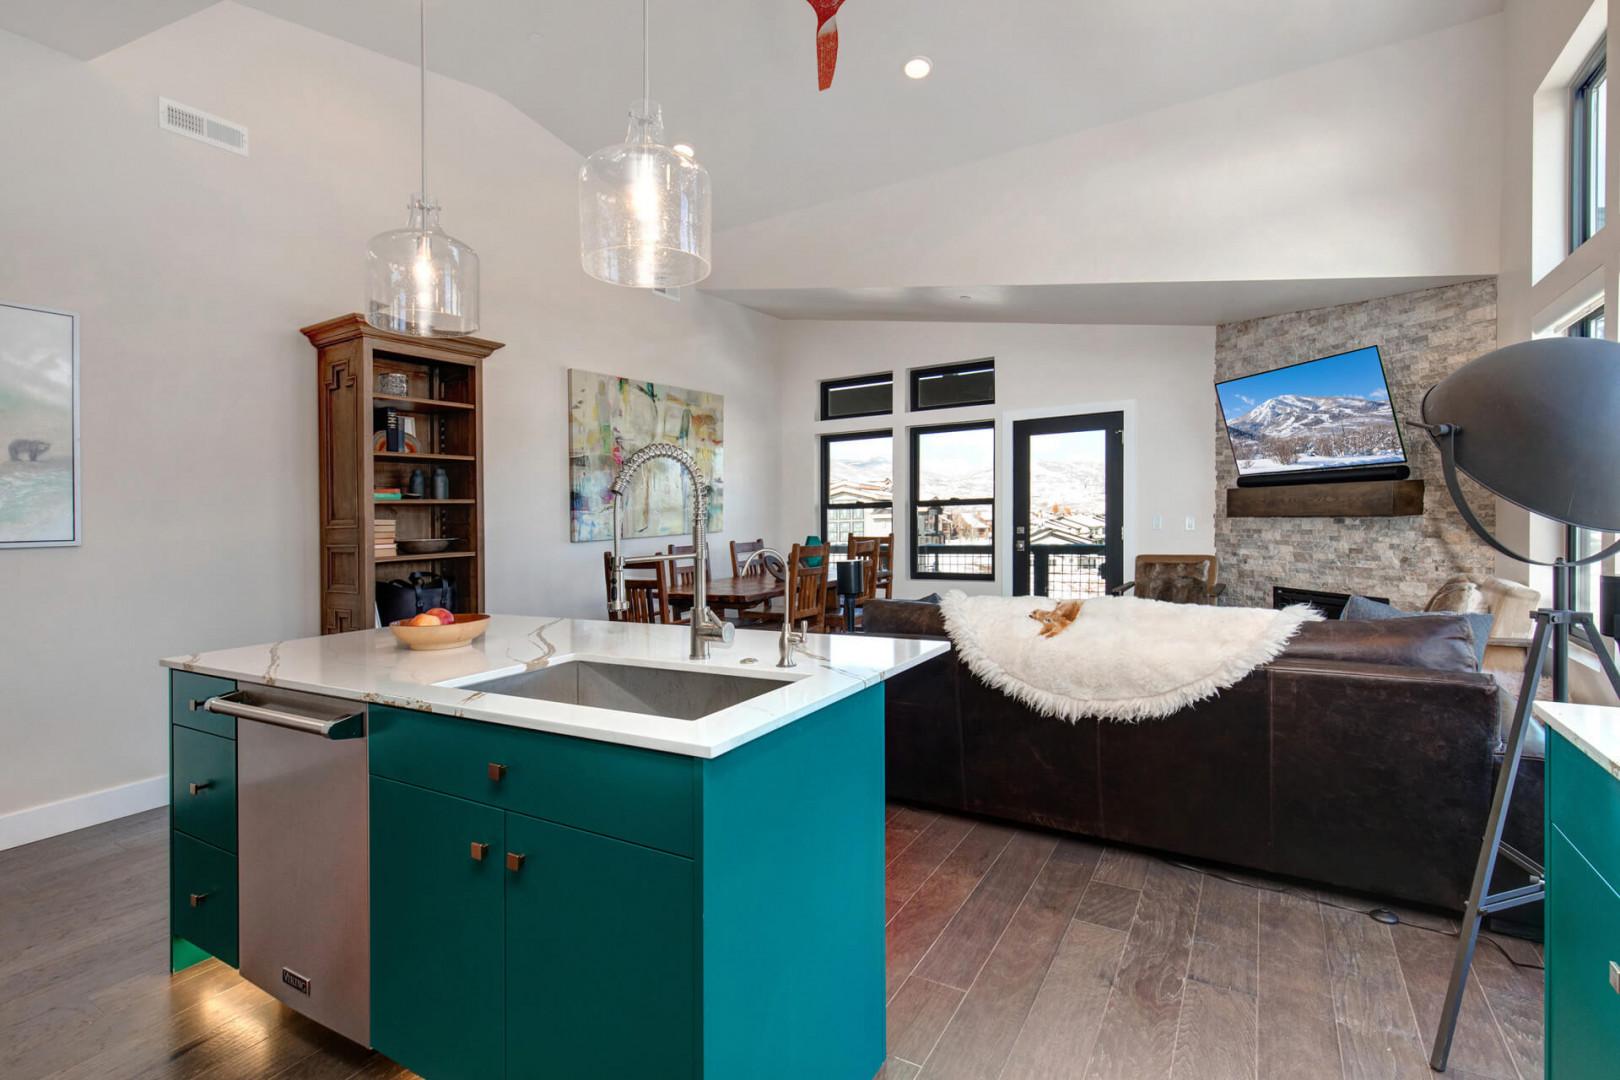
(1383, 915)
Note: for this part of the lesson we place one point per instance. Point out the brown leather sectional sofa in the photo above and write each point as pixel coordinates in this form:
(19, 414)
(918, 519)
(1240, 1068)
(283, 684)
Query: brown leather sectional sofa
(1363, 758)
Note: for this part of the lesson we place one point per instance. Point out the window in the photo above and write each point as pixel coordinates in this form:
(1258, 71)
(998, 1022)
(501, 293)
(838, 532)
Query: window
(1587, 326)
(857, 486)
(1589, 111)
(867, 395)
(954, 385)
(953, 501)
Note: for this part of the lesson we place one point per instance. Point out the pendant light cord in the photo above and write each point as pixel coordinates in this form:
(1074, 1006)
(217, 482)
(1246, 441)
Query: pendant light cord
(421, 11)
(646, 79)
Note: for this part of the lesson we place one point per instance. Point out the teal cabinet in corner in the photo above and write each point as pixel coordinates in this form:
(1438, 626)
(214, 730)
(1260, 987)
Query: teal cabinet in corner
(636, 914)
(1583, 916)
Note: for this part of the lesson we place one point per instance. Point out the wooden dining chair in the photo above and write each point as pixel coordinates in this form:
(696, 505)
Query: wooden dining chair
(682, 570)
(807, 586)
(647, 593)
(740, 550)
(752, 613)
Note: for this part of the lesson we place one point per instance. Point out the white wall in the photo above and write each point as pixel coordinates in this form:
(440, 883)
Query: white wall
(192, 270)
(1383, 164)
(1162, 376)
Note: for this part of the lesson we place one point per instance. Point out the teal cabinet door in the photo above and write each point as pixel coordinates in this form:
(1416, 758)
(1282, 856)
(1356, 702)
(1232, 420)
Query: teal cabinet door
(601, 957)
(1583, 939)
(437, 966)
(202, 787)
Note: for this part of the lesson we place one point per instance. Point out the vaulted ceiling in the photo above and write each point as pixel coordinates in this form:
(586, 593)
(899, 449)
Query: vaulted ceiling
(737, 78)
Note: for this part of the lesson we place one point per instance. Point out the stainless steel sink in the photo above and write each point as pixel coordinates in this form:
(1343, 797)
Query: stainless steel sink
(677, 694)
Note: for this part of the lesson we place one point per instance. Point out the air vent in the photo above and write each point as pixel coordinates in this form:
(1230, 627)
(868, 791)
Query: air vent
(204, 127)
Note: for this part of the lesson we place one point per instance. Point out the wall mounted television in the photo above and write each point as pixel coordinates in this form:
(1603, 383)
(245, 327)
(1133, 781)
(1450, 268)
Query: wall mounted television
(1316, 421)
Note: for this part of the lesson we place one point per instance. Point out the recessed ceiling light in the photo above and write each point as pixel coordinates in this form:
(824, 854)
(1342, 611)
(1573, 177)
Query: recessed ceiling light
(964, 296)
(918, 67)
(684, 150)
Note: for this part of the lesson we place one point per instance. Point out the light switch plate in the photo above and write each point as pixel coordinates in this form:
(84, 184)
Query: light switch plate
(1192, 523)
(1158, 521)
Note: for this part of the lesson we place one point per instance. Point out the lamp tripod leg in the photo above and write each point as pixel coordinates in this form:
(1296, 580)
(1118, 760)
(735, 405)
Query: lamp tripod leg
(1479, 895)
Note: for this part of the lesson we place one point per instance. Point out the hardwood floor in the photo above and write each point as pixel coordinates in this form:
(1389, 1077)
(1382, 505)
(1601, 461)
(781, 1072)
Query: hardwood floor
(1012, 955)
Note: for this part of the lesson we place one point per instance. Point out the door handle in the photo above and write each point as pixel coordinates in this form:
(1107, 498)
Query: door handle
(478, 850)
(198, 789)
(197, 898)
(1614, 976)
(497, 773)
(514, 861)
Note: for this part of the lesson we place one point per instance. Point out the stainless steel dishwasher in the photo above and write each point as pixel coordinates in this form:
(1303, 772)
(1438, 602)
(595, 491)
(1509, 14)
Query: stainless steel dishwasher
(303, 870)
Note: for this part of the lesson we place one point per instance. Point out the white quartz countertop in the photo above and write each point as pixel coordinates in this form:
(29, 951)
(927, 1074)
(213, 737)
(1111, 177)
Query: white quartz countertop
(371, 666)
(1593, 728)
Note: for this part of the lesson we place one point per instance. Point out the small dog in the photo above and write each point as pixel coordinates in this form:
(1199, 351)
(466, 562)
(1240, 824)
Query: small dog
(1057, 620)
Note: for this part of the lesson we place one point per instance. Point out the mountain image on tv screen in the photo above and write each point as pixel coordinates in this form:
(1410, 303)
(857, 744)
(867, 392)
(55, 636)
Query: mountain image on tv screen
(1332, 413)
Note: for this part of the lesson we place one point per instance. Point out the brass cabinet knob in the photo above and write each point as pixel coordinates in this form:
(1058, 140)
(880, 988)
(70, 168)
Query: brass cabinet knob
(479, 850)
(497, 773)
(198, 789)
(514, 861)
(197, 898)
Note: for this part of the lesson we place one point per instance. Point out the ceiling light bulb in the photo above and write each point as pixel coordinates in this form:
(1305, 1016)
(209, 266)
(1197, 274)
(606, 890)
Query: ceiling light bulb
(684, 150)
(918, 67)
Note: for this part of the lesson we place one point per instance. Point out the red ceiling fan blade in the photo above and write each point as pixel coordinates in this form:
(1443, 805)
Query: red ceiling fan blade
(826, 40)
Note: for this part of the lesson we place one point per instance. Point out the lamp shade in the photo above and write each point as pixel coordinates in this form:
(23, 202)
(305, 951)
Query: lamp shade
(1538, 424)
(420, 280)
(644, 210)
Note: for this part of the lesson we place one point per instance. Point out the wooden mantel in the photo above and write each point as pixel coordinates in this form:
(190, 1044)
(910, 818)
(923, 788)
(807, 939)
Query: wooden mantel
(1367, 498)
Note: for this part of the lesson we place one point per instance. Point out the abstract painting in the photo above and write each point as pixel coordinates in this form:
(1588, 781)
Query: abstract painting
(39, 427)
(610, 418)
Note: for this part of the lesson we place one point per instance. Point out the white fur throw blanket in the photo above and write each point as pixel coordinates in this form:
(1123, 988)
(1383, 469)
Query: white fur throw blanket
(1122, 658)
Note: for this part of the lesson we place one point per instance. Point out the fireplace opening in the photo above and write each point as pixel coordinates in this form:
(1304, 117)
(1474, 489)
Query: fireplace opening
(1330, 604)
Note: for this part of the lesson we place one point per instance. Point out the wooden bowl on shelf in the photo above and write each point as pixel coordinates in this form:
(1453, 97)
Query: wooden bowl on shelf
(454, 635)
(426, 546)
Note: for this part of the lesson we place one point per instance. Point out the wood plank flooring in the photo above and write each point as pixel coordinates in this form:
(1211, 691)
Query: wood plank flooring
(1013, 954)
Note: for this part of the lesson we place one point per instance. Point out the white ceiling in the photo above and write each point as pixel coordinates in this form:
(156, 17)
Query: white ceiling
(737, 77)
(1180, 303)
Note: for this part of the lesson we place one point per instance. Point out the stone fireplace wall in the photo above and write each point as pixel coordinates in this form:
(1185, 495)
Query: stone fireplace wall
(1422, 336)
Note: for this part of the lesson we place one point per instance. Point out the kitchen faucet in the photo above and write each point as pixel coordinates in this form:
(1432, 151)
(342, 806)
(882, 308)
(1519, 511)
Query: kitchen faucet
(790, 638)
(706, 625)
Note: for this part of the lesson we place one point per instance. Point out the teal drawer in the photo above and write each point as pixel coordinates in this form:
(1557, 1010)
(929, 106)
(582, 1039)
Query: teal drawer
(642, 796)
(1584, 801)
(1583, 939)
(187, 692)
(202, 787)
(202, 896)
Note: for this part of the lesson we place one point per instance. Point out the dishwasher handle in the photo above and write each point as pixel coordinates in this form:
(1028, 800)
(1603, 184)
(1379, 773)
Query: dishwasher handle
(346, 726)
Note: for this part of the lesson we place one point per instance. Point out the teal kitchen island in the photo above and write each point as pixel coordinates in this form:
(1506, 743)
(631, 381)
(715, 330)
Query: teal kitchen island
(566, 851)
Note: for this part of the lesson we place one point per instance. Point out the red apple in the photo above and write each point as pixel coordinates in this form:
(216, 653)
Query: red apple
(442, 615)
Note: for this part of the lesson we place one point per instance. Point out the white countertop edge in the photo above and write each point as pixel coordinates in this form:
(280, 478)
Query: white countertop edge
(1593, 729)
(818, 683)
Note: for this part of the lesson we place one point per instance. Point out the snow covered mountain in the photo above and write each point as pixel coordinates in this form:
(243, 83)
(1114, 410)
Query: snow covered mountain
(1290, 415)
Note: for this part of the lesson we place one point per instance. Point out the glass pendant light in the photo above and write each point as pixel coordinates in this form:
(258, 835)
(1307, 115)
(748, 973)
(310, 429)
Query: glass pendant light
(643, 207)
(420, 280)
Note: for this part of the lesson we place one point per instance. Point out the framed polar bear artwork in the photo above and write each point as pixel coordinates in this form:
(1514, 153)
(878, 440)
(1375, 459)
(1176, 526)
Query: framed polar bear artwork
(39, 427)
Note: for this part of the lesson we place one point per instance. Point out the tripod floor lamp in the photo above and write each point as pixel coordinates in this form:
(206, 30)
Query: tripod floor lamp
(1537, 424)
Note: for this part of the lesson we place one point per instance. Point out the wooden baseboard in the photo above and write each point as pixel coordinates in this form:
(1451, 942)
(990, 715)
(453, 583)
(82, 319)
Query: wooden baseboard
(1366, 498)
(81, 811)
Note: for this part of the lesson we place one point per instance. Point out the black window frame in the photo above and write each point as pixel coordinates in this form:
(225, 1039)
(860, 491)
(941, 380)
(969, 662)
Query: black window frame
(856, 380)
(826, 475)
(1586, 325)
(1593, 71)
(916, 504)
(915, 376)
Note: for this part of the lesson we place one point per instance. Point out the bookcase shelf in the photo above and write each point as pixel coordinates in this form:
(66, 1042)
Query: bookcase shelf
(442, 411)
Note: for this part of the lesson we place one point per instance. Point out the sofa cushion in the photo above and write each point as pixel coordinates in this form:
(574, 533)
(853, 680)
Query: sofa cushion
(907, 618)
(1434, 642)
(1361, 609)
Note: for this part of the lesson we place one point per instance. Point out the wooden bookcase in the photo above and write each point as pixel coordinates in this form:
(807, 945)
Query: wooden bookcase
(444, 403)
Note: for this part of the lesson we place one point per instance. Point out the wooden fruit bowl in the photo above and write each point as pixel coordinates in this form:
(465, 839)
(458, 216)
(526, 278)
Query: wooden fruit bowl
(450, 636)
